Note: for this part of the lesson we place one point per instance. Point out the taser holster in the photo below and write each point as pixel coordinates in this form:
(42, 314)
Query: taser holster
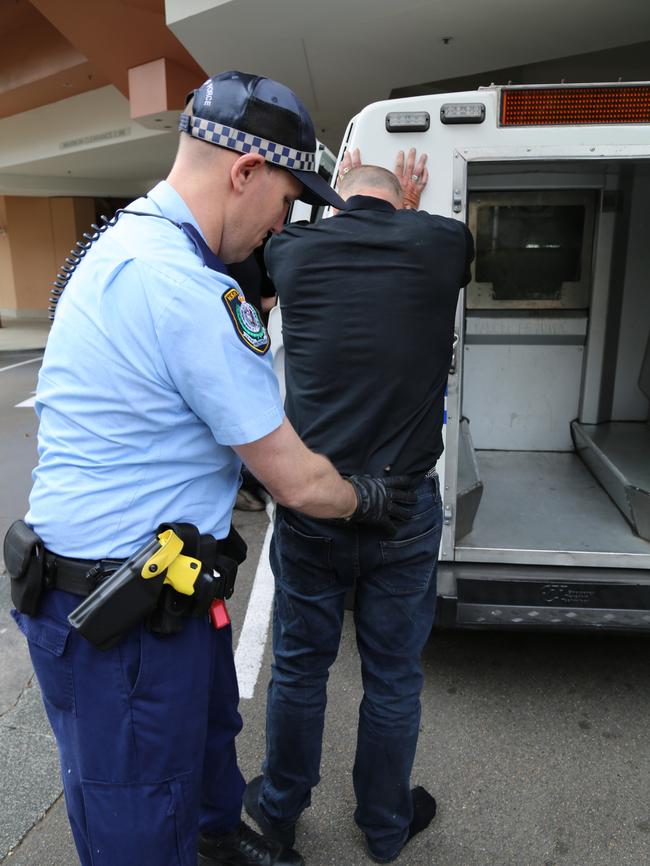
(161, 585)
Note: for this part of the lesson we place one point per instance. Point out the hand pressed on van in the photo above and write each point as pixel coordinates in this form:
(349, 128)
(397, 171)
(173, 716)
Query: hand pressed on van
(413, 176)
(351, 159)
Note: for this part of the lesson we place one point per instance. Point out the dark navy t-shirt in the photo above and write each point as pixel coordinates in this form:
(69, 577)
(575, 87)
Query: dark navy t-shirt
(368, 303)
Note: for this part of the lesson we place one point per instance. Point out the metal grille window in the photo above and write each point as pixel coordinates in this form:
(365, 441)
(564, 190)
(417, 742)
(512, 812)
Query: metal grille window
(532, 249)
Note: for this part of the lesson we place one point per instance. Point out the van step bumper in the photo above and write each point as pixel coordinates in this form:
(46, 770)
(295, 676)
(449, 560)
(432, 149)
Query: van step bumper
(513, 616)
(491, 596)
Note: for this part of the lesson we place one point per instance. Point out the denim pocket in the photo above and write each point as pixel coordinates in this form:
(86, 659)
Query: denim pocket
(428, 499)
(409, 563)
(305, 559)
(47, 640)
(422, 508)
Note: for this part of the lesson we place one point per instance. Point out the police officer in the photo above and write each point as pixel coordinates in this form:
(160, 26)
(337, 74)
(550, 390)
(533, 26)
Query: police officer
(156, 383)
(368, 301)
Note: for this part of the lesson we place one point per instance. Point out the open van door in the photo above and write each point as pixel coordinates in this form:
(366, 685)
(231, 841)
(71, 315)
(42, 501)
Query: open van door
(546, 470)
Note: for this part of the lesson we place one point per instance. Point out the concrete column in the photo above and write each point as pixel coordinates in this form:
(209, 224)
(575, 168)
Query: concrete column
(39, 235)
(157, 92)
(7, 287)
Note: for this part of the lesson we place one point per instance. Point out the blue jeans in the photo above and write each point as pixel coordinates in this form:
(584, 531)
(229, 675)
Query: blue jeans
(145, 733)
(315, 563)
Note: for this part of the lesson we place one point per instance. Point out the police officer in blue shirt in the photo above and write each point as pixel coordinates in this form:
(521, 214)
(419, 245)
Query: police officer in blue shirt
(155, 385)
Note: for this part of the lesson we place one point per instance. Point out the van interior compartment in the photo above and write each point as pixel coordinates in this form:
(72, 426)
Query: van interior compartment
(522, 377)
(556, 366)
(543, 507)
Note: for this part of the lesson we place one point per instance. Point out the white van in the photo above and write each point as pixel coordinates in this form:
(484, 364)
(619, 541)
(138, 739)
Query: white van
(546, 470)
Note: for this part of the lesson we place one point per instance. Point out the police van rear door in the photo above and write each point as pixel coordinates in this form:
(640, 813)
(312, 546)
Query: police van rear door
(549, 364)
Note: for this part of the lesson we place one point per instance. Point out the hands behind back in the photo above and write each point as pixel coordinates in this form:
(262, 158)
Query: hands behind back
(382, 502)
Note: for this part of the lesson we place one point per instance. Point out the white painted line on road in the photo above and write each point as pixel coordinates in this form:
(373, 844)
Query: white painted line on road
(29, 403)
(21, 363)
(252, 640)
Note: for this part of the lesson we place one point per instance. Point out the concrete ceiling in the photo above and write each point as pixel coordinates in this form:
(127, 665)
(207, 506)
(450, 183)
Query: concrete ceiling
(340, 55)
(84, 145)
(130, 161)
(68, 123)
(51, 51)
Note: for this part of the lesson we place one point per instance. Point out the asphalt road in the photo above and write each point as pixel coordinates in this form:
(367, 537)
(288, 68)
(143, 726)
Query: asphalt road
(535, 745)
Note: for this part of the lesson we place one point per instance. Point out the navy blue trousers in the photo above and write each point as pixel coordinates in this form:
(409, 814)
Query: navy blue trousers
(145, 733)
(315, 563)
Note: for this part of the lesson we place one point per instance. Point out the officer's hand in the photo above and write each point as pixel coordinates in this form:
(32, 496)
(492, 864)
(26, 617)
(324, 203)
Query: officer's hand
(382, 502)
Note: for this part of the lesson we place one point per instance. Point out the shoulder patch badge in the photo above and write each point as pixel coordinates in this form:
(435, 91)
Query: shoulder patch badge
(247, 322)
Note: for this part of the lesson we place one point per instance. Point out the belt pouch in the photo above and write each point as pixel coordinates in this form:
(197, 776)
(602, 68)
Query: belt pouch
(24, 558)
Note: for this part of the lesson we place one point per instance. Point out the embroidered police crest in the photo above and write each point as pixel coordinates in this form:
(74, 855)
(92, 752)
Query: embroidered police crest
(247, 322)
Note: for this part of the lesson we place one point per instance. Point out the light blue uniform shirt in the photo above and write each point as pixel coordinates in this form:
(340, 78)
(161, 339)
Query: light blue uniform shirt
(144, 385)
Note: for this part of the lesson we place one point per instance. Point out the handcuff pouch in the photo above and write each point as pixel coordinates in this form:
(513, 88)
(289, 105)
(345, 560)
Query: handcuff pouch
(24, 558)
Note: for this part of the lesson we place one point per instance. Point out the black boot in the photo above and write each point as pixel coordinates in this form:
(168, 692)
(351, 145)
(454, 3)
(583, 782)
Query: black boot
(244, 847)
(424, 810)
(283, 835)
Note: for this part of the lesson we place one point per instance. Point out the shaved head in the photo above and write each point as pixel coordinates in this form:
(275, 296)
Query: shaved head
(371, 180)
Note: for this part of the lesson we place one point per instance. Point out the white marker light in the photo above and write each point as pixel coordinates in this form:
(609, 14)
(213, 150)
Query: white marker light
(462, 112)
(407, 121)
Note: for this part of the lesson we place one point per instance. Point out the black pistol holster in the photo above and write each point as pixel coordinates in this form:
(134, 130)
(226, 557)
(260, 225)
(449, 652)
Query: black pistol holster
(24, 558)
(161, 585)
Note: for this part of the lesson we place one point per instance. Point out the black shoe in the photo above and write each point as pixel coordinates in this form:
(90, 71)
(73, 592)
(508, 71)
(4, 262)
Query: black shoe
(270, 830)
(424, 810)
(244, 847)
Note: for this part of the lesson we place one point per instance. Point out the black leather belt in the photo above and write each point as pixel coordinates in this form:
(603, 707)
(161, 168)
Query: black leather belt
(81, 576)
(78, 576)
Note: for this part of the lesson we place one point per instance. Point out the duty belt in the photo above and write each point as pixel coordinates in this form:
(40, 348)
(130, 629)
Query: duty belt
(78, 576)
(81, 576)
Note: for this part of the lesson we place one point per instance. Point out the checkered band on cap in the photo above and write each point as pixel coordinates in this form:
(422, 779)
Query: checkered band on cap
(246, 142)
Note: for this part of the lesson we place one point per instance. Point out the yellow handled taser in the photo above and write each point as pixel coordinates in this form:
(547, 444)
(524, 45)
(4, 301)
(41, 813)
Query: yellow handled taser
(181, 571)
(131, 593)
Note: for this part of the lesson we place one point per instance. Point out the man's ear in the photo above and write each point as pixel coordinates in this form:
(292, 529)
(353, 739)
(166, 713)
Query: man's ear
(244, 169)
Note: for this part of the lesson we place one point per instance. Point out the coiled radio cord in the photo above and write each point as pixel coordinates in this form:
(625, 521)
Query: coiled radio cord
(72, 261)
(76, 255)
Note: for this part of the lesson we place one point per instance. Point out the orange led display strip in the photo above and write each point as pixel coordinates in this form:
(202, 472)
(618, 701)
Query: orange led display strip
(568, 106)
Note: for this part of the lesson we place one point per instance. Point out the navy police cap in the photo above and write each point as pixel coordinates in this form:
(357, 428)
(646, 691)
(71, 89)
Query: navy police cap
(252, 114)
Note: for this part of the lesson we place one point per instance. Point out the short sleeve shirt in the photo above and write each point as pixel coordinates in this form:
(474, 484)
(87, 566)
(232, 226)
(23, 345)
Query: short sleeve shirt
(145, 385)
(368, 302)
